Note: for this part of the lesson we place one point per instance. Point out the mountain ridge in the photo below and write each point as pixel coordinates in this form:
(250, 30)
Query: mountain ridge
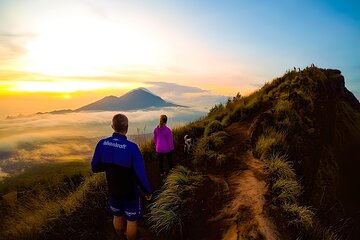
(136, 99)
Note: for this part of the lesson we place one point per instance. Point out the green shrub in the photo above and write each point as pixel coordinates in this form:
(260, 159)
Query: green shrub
(213, 127)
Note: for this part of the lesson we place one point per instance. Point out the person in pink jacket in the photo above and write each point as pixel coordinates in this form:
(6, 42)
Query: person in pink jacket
(164, 143)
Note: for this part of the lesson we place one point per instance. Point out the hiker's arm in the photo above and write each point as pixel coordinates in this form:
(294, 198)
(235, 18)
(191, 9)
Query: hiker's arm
(96, 164)
(170, 140)
(140, 171)
(155, 136)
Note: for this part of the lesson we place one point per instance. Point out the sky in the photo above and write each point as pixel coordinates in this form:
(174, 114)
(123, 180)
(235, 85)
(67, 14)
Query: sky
(66, 54)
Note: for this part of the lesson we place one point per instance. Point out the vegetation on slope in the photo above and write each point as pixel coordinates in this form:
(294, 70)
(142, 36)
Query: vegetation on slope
(35, 203)
(307, 116)
(300, 123)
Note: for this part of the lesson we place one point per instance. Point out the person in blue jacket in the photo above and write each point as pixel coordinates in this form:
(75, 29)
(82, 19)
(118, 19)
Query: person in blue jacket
(125, 175)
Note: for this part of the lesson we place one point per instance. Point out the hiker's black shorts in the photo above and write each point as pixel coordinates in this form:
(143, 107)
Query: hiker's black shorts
(130, 209)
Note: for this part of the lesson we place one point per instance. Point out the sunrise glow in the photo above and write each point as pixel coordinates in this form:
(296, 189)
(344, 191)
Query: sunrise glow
(81, 46)
(67, 49)
(63, 87)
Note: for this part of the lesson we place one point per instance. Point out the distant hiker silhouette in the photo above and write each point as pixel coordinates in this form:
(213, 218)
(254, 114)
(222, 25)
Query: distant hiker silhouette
(125, 174)
(164, 143)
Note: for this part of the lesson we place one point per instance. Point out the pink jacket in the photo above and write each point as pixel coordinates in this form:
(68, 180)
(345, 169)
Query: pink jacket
(163, 139)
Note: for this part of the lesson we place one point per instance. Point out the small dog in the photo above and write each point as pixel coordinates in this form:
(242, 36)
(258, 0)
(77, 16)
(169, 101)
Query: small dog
(188, 144)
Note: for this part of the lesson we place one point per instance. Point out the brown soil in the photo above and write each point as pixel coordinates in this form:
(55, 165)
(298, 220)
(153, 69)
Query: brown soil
(243, 214)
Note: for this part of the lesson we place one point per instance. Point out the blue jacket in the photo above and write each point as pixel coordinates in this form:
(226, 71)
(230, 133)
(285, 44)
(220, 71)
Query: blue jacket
(124, 167)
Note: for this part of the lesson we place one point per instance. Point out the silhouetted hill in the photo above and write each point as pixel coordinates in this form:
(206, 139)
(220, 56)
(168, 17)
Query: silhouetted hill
(137, 99)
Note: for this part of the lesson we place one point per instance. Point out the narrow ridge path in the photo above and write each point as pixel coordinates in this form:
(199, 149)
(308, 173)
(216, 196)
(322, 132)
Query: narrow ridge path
(243, 216)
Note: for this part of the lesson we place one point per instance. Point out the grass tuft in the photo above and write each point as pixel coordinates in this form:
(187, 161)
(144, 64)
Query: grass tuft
(213, 127)
(206, 150)
(286, 190)
(301, 215)
(269, 142)
(279, 167)
(168, 213)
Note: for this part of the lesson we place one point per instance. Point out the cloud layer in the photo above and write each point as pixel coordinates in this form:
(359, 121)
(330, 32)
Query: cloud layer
(194, 97)
(42, 138)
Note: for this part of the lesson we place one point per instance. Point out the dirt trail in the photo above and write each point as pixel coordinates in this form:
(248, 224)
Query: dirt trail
(243, 216)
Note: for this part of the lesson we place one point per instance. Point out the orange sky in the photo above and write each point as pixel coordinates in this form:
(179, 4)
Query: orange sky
(64, 54)
(49, 62)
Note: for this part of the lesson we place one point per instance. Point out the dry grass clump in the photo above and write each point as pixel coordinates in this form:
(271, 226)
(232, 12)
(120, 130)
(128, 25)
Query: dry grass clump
(148, 150)
(206, 150)
(286, 190)
(301, 215)
(283, 109)
(213, 127)
(284, 185)
(270, 142)
(168, 213)
(279, 167)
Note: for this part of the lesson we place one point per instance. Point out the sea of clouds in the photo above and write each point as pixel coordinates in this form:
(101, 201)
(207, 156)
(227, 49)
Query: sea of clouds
(42, 138)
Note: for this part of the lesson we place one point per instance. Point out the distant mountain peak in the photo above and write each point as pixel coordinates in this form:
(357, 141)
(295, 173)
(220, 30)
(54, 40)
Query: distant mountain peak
(141, 89)
(110, 97)
(136, 99)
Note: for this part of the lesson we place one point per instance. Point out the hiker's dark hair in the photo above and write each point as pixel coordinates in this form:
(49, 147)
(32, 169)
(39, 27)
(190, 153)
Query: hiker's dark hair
(163, 118)
(120, 123)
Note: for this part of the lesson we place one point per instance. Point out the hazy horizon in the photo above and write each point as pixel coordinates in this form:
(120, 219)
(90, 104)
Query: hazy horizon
(64, 54)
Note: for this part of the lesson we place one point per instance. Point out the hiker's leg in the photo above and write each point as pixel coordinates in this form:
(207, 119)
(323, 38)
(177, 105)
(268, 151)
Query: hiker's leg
(161, 162)
(169, 157)
(131, 230)
(119, 225)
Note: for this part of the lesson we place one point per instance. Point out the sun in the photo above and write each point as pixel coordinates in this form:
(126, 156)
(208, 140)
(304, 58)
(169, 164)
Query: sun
(81, 46)
(67, 96)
